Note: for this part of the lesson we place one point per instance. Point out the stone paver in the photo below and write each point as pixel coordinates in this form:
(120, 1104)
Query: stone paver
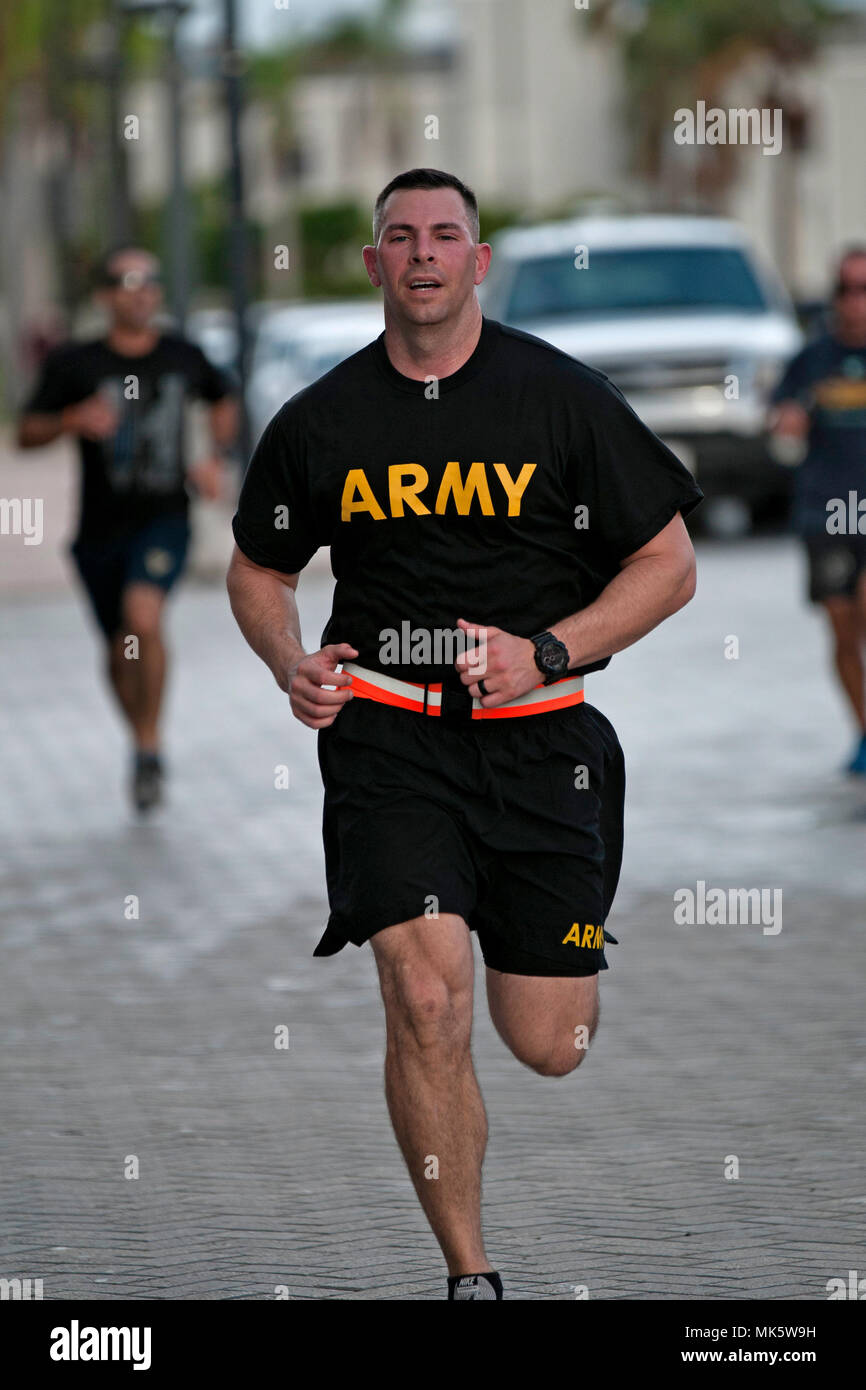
(259, 1167)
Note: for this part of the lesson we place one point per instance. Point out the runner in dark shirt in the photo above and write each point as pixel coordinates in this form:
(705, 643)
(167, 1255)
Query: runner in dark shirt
(473, 483)
(821, 415)
(123, 396)
(424, 504)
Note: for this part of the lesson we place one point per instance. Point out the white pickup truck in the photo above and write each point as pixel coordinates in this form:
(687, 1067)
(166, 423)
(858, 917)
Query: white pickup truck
(684, 318)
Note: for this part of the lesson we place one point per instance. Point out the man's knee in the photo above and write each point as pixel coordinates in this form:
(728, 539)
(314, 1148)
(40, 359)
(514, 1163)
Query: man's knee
(142, 610)
(556, 1065)
(427, 993)
(546, 1023)
(432, 1013)
(562, 1053)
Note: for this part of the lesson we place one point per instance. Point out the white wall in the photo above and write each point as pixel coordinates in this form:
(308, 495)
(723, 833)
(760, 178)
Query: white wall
(539, 101)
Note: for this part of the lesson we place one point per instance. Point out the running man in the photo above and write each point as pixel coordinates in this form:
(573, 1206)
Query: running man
(123, 397)
(821, 414)
(500, 523)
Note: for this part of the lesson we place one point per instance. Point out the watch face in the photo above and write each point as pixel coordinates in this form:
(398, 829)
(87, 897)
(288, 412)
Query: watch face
(553, 658)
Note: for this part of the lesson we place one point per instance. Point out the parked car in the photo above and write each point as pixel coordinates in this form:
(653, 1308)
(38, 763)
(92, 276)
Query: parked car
(298, 344)
(214, 331)
(683, 316)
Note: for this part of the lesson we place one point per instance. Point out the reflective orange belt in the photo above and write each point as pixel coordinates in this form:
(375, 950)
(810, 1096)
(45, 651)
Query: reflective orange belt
(428, 699)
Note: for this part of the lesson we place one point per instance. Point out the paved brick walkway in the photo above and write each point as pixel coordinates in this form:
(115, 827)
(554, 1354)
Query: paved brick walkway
(259, 1167)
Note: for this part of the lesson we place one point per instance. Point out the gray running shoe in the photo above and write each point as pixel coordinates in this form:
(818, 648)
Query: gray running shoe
(147, 782)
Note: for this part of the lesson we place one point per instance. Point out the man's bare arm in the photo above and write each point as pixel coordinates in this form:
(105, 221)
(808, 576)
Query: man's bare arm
(263, 603)
(788, 432)
(653, 583)
(208, 475)
(223, 421)
(36, 430)
(92, 418)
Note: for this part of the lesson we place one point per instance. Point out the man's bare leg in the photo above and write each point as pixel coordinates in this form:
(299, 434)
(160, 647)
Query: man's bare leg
(142, 616)
(846, 620)
(123, 677)
(426, 973)
(547, 1022)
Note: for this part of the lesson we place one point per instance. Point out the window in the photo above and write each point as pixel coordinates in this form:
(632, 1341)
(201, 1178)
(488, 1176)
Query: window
(635, 280)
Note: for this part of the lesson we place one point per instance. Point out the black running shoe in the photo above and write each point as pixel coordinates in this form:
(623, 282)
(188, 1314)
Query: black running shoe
(147, 781)
(465, 1288)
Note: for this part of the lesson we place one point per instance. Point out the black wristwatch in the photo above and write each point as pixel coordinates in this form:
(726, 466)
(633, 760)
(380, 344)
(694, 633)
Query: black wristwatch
(551, 656)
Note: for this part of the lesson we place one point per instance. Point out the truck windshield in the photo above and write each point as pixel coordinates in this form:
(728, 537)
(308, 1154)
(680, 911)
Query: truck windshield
(635, 280)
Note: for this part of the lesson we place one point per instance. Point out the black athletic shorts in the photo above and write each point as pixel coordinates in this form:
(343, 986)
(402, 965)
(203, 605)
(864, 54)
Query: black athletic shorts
(153, 554)
(835, 566)
(513, 824)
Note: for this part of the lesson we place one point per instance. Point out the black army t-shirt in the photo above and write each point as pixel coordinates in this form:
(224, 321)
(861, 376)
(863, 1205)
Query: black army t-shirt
(504, 494)
(136, 474)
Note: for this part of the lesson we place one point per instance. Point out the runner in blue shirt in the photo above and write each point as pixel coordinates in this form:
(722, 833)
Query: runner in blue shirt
(821, 414)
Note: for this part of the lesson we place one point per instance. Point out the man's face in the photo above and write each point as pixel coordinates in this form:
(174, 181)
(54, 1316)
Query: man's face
(850, 299)
(426, 260)
(135, 294)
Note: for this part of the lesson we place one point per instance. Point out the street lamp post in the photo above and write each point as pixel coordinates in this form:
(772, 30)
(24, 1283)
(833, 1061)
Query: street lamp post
(178, 210)
(178, 216)
(237, 226)
(121, 218)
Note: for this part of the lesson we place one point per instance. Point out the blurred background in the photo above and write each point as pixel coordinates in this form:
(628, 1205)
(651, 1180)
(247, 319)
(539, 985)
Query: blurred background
(246, 143)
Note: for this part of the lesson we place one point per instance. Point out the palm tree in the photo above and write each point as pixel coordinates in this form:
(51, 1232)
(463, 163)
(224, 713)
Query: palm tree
(43, 112)
(676, 52)
(351, 41)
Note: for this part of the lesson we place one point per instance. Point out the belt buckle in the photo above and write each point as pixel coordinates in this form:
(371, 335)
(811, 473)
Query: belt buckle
(456, 704)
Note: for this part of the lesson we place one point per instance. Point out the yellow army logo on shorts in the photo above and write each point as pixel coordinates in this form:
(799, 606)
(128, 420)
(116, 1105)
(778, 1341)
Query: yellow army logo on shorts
(158, 562)
(592, 936)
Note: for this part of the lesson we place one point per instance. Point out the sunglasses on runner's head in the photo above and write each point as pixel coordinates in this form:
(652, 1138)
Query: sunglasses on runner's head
(132, 279)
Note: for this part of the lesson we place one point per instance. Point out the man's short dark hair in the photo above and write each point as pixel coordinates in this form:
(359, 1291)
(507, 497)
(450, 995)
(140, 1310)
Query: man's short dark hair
(427, 178)
(102, 275)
